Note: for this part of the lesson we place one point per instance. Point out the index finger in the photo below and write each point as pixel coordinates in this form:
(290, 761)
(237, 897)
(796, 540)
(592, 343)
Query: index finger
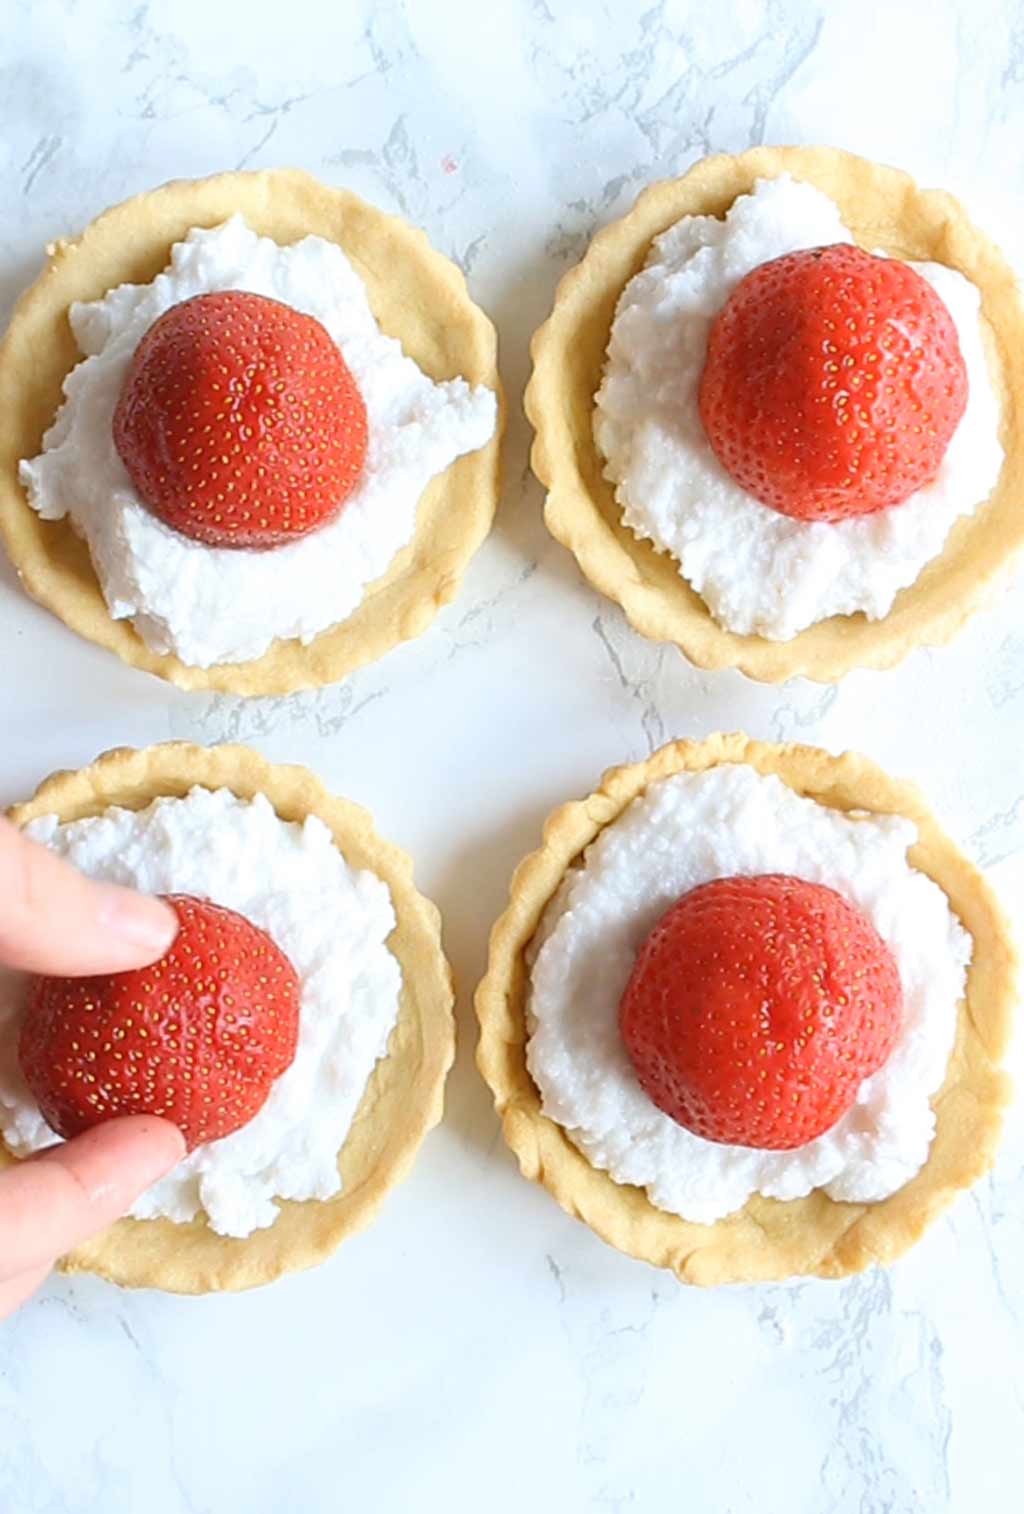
(55, 920)
(52, 1202)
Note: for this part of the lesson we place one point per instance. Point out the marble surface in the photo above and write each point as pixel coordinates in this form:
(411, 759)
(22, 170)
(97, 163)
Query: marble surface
(477, 1348)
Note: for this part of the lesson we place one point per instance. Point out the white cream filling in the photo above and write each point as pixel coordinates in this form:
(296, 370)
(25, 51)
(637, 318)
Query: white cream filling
(685, 831)
(212, 605)
(760, 572)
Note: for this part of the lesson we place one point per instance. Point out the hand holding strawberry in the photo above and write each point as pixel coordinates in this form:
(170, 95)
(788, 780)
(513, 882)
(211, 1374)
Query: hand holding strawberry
(55, 920)
(198, 1038)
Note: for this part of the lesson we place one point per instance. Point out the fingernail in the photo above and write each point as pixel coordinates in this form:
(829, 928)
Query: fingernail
(164, 1149)
(116, 1161)
(148, 923)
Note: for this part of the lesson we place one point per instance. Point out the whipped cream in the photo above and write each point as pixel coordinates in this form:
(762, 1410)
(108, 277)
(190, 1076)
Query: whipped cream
(210, 604)
(682, 832)
(760, 572)
(333, 924)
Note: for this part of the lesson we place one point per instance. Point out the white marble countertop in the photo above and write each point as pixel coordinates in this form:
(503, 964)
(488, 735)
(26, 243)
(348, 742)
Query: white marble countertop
(476, 1348)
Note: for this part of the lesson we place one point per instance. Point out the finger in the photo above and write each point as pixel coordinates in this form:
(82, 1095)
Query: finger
(15, 1292)
(55, 920)
(70, 1192)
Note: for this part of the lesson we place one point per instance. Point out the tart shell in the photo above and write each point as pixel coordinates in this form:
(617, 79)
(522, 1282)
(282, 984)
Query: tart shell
(768, 1239)
(417, 296)
(404, 1096)
(883, 209)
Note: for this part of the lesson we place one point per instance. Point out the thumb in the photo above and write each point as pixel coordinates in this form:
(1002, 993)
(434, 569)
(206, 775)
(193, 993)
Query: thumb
(52, 1202)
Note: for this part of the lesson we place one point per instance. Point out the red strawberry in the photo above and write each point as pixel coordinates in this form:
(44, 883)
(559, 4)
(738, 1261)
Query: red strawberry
(756, 1008)
(239, 421)
(198, 1038)
(833, 383)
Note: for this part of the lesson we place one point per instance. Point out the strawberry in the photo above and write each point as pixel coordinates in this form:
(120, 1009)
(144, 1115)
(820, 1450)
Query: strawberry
(757, 1007)
(833, 383)
(239, 422)
(198, 1038)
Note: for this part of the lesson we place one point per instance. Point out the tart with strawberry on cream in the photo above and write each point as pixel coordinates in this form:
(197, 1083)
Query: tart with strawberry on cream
(252, 435)
(745, 1012)
(778, 414)
(298, 1031)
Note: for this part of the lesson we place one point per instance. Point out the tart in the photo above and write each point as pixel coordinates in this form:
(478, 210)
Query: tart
(765, 1238)
(885, 212)
(417, 297)
(403, 1096)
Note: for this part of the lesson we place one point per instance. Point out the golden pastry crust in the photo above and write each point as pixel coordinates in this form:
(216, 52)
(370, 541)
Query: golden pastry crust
(405, 1094)
(417, 295)
(767, 1239)
(882, 208)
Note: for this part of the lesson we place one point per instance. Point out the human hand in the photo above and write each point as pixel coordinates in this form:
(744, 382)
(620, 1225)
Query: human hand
(57, 921)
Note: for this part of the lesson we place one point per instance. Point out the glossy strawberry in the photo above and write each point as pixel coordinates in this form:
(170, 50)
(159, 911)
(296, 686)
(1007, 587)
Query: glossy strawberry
(833, 383)
(199, 1037)
(239, 421)
(757, 1007)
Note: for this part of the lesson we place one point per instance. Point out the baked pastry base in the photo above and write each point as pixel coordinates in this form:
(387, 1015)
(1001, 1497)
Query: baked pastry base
(768, 1239)
(404, 1097)
(417, 295)
(882, 208)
